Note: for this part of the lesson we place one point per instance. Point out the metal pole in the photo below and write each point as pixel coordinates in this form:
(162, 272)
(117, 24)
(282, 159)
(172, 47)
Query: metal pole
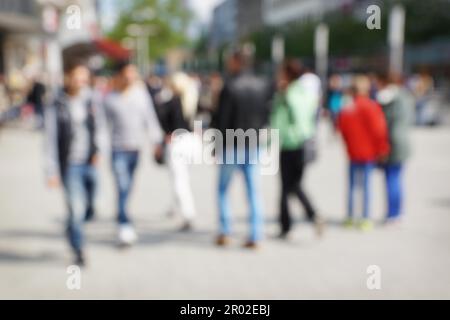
(396, 39)
(321, 50)
(278, 50)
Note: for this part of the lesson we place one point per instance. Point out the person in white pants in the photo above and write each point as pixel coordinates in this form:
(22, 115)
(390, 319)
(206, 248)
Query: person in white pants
(181, 145)
(181, 151)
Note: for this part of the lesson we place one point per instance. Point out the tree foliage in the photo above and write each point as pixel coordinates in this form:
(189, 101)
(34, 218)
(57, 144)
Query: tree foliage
(167, 19)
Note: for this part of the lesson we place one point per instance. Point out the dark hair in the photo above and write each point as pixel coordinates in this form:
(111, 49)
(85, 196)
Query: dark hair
(387, 77)
(292, 68)
(243, 59)
(238, 56)
(119, 66)
(72, 64)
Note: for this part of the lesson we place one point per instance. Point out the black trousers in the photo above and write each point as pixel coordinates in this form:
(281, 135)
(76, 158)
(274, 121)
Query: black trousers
(292, 167)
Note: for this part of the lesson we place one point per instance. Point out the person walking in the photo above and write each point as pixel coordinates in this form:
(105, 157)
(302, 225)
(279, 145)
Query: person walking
(181, 146)
(364, 130)
(398, 107)
(294, 115)
(243, 105)
(131, 120)
(71, 132)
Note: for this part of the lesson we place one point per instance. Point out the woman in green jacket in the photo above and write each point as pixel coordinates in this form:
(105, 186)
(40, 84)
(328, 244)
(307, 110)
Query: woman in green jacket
(294, 115)
(398, 107)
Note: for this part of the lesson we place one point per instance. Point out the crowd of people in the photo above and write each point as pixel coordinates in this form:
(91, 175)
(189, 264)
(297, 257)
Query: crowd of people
(372, 113)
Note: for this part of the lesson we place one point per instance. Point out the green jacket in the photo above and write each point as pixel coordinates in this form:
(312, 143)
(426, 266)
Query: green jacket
(294, 115)
(399, 118)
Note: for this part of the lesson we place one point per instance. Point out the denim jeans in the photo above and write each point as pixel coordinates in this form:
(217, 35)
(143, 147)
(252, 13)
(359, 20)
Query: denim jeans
(80, 187)
(250, 171)
(359, 180)
(393, 174)
(124, 165)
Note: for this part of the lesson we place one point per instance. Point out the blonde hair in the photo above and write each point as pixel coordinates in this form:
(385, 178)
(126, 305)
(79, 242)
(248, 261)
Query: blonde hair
(186, 88)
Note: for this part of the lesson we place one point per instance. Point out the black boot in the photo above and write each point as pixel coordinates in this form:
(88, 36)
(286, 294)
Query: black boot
(90, 216)
(79, 259)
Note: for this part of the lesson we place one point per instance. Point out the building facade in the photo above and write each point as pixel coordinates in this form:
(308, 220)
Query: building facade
(34, 35)
(279, 12)
(235, 19)
(20, 51)
(224, 23)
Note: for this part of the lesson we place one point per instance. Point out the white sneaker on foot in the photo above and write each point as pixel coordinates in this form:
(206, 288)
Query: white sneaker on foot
(127, 236)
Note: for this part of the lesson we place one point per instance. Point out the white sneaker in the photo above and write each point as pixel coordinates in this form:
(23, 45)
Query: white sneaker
(127, 236)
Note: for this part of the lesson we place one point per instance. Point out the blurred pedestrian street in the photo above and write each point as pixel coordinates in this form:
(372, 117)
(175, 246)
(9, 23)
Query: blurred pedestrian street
(413, 258)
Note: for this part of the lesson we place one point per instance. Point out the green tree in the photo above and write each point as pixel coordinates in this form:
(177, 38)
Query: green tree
(166, 20)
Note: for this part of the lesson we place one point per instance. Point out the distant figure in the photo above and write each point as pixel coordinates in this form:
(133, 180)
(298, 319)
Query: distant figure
(422, 86)
(132, 121)
(294, 115)
(364, 130)
(36, 98)
(4, 99)
(154, 85)
(71, 150)
(243, 104)
(398, 107)
(335, 96)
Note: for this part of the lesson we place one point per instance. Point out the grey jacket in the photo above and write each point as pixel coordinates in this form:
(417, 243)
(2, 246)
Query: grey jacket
(398, 107)
(132, 119)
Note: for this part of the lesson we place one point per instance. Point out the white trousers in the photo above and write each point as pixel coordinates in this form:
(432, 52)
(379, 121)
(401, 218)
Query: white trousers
(180, 153)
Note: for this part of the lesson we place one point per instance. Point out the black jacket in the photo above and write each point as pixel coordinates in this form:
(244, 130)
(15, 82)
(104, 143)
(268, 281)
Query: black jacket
(64, 131)
(170, 113)
(244, 103)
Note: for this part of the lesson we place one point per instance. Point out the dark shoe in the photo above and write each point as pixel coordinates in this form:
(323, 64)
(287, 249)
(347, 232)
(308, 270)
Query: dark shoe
(79, 259)
(222, 240)
(253, 245)
(186, 227)
(90, 216)
(284, 235)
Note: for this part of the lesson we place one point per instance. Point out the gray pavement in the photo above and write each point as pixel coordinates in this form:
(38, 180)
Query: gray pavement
(414, 259)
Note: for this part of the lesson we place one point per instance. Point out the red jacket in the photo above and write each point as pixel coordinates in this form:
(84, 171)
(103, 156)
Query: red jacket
(363, 127)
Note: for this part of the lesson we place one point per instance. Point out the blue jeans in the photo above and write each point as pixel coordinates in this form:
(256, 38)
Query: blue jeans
(80, 187)
(124, 164)
(256, 214)
(393, 174)
(359, 178)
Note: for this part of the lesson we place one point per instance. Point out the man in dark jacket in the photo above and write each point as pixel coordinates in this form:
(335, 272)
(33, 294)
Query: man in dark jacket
(70, 124)
(243, 108)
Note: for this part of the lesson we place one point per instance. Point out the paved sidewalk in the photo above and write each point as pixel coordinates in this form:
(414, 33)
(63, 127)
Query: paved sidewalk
(414, 259)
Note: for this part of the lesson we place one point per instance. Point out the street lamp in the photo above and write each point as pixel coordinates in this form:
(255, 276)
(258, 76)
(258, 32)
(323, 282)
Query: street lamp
(141, 33)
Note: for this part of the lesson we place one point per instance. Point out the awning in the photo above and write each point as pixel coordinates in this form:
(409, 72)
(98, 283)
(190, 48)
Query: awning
(112, 49)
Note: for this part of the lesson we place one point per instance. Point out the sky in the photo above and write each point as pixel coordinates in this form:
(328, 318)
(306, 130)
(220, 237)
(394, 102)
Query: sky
(203, 8)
